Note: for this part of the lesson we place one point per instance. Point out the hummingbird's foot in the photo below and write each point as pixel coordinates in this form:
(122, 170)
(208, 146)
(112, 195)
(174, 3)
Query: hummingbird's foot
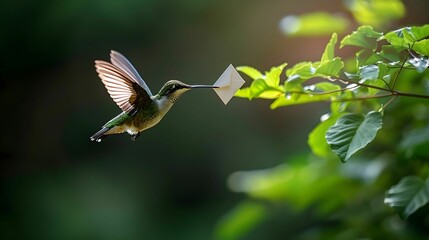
(135, 136)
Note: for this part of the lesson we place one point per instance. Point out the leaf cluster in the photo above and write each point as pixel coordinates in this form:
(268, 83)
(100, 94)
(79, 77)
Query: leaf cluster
(356, 95)
(374, 98)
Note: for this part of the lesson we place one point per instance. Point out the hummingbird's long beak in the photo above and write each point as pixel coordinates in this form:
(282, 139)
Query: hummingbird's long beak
(203, 86)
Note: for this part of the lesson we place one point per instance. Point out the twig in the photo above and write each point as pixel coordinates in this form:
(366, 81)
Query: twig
(397, 74)
(388, 102)
(365, 85)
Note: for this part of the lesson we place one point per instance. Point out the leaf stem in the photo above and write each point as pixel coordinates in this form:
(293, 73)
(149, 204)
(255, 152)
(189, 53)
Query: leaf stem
(397, 74)
(414, 95)
(388, 102)
(386, 84)
(361, 98)
(392, 93)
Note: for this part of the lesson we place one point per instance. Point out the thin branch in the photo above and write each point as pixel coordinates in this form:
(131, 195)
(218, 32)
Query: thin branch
(405, 68)
(397, 74)
(362, 98)
(388, 102)
(386, 84)
(365, 85)
(392, 93)
(414, 95)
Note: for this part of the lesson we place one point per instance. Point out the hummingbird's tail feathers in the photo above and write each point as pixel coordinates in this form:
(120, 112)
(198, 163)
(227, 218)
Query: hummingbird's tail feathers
(100, 134)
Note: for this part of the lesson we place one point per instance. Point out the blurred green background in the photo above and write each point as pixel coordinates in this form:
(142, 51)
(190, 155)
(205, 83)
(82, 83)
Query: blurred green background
(171, 182)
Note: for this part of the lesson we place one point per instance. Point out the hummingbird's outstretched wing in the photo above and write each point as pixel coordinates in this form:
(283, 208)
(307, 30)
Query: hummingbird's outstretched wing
(122, 62)
(122, 88)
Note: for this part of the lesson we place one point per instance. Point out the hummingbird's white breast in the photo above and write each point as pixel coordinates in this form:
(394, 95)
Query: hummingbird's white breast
(164, 104)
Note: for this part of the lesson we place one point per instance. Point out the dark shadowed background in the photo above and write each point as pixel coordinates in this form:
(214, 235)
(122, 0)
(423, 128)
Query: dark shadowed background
(171, 182)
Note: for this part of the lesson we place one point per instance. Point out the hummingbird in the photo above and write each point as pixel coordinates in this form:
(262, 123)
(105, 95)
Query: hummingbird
(140, 108)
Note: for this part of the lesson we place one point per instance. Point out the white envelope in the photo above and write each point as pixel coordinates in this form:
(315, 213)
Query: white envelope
(228, 84)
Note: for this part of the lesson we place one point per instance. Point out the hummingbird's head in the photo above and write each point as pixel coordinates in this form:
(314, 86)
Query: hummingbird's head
(173, 89)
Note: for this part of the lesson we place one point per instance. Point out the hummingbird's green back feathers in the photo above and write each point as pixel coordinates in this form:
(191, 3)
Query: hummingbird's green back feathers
(116, 125)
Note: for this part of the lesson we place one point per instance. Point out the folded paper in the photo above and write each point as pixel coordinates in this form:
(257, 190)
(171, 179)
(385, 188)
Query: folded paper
(228, 84)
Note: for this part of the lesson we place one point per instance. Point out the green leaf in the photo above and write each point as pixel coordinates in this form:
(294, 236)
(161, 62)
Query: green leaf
(329, 52)
(304, 70)
(393, 53)
(420, 32)
(294, 99)
(319, 92)
(407, 36)
(299, 98)
(413, 34)
(243, 93)
(250, 71)
(369, 72)
(271, 94)
(366, 57)
(293, 82)
(263, 86)
(240, 220)
(259, 88)
(313, 24)
(364, 37)
(298, 74)
(324, 87)
(395, 38)
(374, 75)
(422, 47)
(353, 132)
(386, 72)
(338, 107)
(410, 194)
(273, 76)
(317, 139)
(330, 68)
